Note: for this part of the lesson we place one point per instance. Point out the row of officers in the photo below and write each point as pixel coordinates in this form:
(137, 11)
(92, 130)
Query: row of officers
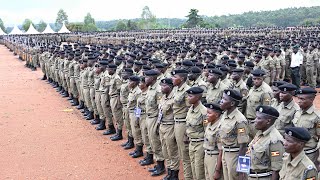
(205, 118)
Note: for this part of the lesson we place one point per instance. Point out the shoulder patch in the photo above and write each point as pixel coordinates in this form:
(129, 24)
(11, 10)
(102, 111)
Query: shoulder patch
(275, 153)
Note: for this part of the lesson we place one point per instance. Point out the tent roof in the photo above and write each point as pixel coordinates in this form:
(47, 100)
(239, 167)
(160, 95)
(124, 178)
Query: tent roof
(32, 30)
(16, 30)
(63, 29)
(48, 30)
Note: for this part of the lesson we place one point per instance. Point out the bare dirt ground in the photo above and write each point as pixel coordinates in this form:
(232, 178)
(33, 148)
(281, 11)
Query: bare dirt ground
(39, 140)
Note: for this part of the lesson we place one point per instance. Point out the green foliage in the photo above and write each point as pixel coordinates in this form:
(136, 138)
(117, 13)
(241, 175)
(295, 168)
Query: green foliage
(132, 25)
(41, 26)
(88, 19)
(62, 17)
(26, 24)
(2, 26)
(75, 27)
(148, 20)
(194, 19)
(89, 24)
(121, 26)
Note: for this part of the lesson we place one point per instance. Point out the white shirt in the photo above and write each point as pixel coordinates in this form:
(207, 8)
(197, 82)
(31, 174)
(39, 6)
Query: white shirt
(296, 59)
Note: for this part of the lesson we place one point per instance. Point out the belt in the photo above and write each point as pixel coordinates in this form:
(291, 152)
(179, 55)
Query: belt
(230, 149)
(262, 174)
(211, 152)
(167, 123)
(114, 95)
(251, 120)
(310, 151)
(178, 122)
(295, 67)
(196, 140)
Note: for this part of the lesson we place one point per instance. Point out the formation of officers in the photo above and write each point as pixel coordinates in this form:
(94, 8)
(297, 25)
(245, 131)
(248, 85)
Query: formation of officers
(205, 101)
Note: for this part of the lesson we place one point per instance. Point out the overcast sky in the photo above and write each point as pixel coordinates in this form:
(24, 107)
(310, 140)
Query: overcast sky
(13, 12)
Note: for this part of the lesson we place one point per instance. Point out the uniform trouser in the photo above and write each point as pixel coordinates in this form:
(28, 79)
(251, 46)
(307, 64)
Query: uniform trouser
(56, 77)
(144, 132)
(87, 99)
(126, 119)
(196, 153)
(34, 61)
(311, 76)
(73, 87)
(229, 164)
(107, 112)
(210, 163)
(116, 109)
(295, 76)
(98, 102)
(179, 131)
(92, 98)
(303, 72)
(79, 89)
(169, 146)
(153, 132)
(287, 74)
(68, 82)
(43, 67)
(135, 129)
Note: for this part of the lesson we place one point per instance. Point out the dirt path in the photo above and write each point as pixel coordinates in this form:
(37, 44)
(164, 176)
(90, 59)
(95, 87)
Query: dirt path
(38, 140)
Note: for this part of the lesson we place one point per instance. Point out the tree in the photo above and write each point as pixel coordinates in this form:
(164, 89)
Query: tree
(131, 25)
(89, 24)
(2, 25)
(194, 19)
(41, 26)
(121, 26)
(62, 17)
(148, 20)
(88, 19)
(26, 24)
(75, 27)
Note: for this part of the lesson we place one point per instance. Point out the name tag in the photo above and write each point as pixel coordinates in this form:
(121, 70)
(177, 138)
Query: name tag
(137, 112)
(243, 165)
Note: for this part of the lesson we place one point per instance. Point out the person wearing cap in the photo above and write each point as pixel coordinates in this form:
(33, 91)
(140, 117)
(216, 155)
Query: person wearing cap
(85, 87)
(180, 109)
(295, 61)
(195, 80)
(42, 58)
(152, 102)
(91, 82)
(259, 94)
(67, 62)
(166, 129)
(311, 69)
(215, 86)
(131, 105)
(296, 165)
(212, 146)
(239, 85)
(266, 149)
(281, 65)
(308, 117)
(195, 131)
(234, 132)
(266, 63)
(116, 106)
(247, 76)
(73, 88)
(275, 101)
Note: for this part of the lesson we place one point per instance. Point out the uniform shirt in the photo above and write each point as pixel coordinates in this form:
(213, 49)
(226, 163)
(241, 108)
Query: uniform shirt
(71, 69)
(194, 125)
(166, 107)
(227, 82)
(296, 59)
(124, 92)
(180, 104)
(299, 168)
(115, 84)
(258, 96)
(211, 137)
(310, 120)
(91, 77)
(266, 151)
(241, 86)
(266, 64)
(234, 129)
(153, 97)
(311, 58)
(133, 97)
(214, 93)
(286, 114)
(97, 80)
(77, 70)
(84, 78)
(141, 101)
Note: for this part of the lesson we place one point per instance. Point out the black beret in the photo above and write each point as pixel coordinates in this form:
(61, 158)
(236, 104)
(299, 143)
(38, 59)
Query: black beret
(129, 70)
(159, 65)
(268, 110)
(224, 68)
(179, 71)
(249, 63)
(167, 81)
(103, 63)
(225, 57)
(215, 71)
(258, 72)
(234, 94)
(200, 65)
(130, 61)
(299, 133)
(278, 83)
(306, 90)
(210, 66)
(232, 64)
(195, 70)
(152, 72)
(288, 87)
(195, 90)
(134, 78)
(112, 66)
(214, 106)
(146, 67)
(238, 70)
(138, 63)
(187, 63)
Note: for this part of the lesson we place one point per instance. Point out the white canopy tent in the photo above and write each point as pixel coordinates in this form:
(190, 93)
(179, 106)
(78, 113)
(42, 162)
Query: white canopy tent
(15, 30)
(32, 30)
(63, 29)
(2, 33)
(48, 30)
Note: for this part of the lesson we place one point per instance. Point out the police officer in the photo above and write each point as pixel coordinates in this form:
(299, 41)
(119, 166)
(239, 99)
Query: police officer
(215, 86)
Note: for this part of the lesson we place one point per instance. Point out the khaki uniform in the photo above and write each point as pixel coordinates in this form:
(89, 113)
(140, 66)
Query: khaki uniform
(134, 121)
(286, 114)
(152, 101)
(124, 93)
(73, 87)
(85, 88)
(166, 131)
(98, 93)
(195, 133)
(180, 110)
(199, 83)
(310, 120)
(227, 82)
(311, 72)
(301, 167)
(116, 106)
(211, 147)
(214, 93)
(66, 74)
(257, 96)
(234, 130)
(105, 97)
(266, 152)
(266, 64)
(243, 89)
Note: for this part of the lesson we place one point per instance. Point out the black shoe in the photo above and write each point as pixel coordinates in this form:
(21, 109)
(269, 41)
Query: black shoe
(90, 116)
(130, 143)
(55, 85)
(75, 102)
(102, 125)
(124, 144)
(138, 152)
(65, 94)
(117, 136)
(168, 176)
(70, 97)
(160, 169)
(110, 131)
(147, 160)
(44, 77)
(84, 110)
(59, 88)
(33, 68)
(81, 105)
(174, 175)
(153, 168)
(95, 121)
